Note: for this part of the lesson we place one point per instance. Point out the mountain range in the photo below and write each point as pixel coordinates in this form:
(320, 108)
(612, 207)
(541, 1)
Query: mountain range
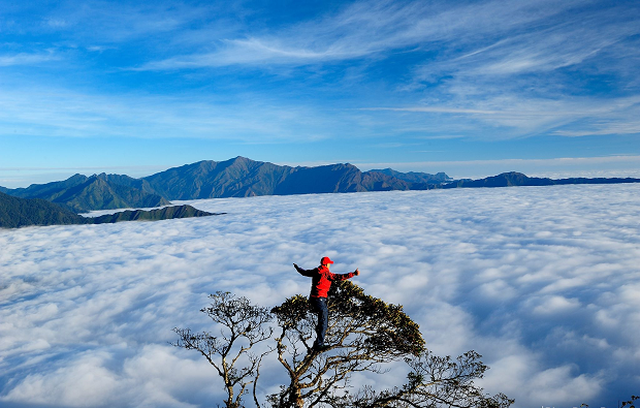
(238, 177)
(242, 177)
(99, 192)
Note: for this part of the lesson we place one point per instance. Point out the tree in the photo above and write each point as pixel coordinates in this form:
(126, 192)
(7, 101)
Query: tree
(364, 334)
(631, 403)
(242, 326)
(434, 381)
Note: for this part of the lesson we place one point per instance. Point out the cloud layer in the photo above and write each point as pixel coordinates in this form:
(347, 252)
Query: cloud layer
(544, 282)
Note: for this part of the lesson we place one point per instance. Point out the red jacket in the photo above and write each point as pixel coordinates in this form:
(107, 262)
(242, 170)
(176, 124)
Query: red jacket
(322, 279)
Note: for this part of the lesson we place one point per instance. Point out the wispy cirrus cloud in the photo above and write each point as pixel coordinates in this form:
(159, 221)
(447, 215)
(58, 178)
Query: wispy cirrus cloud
(114, 25)
(57, 112)
(531, 80)
(364, 29)
(8, 60)
(517, 69)
(525, 115)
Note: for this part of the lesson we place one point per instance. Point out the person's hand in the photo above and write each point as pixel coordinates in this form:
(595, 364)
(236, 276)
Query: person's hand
(357, 271)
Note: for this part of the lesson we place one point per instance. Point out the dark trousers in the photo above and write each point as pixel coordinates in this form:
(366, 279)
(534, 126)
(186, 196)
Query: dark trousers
(319, 307)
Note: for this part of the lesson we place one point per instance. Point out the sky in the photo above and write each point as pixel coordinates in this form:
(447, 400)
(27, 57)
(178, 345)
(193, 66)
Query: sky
(544, 282)
(471, 88)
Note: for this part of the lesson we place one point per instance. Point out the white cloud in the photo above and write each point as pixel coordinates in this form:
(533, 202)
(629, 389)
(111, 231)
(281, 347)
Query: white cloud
(365, 29)
(555, 304)
(488, 70)
(27, 59)
(55, 112)
(516, 113)
(92, 307)
(550, 387)
(121, 24)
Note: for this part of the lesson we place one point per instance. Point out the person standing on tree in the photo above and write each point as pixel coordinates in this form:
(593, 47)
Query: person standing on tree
(320, 286)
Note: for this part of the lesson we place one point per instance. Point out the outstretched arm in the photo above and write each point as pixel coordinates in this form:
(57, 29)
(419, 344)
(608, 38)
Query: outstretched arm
(343, 276)
(303, 272)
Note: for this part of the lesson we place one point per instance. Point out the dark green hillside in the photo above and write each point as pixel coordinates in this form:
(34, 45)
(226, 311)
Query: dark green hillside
(20, 212)
(167, 213)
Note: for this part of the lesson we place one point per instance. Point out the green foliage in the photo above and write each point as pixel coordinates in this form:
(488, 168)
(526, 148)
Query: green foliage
(630, 403)
(356, 320)
(384, 328)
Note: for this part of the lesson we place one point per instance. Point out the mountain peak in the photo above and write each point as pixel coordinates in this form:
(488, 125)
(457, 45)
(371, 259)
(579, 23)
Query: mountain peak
(511, 174)
(241, 159)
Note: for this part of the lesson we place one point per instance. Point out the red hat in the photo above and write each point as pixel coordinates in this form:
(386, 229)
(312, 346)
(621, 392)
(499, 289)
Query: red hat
(325, 260)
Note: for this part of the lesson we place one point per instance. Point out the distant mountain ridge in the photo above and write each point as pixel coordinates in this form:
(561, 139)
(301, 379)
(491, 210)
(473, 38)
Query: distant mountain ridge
(243, 177)
(98, 192)
(237, 177)
(515, 179)
(59, 202)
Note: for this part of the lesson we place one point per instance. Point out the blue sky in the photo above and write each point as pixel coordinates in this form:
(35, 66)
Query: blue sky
(471, 88)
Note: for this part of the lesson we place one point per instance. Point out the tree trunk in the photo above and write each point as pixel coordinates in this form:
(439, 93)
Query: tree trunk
(295, 396)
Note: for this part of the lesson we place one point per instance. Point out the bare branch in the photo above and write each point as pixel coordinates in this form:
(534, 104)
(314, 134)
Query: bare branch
(242, 327)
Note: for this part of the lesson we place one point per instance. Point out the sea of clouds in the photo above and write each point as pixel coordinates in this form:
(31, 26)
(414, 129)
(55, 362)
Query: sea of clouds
(544, 282)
